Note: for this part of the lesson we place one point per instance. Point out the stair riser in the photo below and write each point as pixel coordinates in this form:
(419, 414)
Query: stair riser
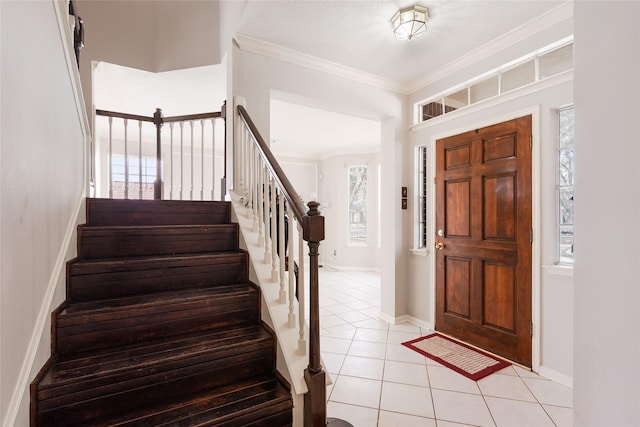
(139, 279)
(101, 212)
(282, 418)
(189, 381)
(272, 414)
(99, 243)
(101, 331)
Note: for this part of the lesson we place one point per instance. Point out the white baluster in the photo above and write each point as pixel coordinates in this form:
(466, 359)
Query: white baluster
(291, 267)
(140, 159)
(191, 144)
(255, 190)
(260, 202)
(267, 220)
(201, 159)
(273, 233)
(171, 159)
(281, 252)
(213, 159)
(181, 159)
(110, 158)
(126, 162)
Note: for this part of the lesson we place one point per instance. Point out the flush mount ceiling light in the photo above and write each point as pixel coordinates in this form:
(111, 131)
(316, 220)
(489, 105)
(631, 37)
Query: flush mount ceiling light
(410, 22)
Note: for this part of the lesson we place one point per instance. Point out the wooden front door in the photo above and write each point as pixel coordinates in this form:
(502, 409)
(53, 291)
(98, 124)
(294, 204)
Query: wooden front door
(483, 238)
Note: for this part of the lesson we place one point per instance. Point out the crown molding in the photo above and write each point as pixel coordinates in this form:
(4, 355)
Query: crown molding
(554, 16)
(274, 51)
(536, 25)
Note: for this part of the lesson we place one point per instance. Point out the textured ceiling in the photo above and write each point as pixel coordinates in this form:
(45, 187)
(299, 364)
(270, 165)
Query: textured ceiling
(358, 34)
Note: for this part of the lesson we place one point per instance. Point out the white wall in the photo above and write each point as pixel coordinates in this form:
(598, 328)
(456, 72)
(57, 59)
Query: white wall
(148, 35)
(41, 190)
(335, 195)
(607, 220)
(256, 76)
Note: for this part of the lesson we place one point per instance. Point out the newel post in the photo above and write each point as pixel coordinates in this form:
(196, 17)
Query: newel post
(157, 185)
(315, 402)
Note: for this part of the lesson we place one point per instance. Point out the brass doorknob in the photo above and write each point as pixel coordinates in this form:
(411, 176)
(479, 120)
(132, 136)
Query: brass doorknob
(439, 246)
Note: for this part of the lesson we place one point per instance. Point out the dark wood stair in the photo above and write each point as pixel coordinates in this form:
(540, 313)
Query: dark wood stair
(161, 326)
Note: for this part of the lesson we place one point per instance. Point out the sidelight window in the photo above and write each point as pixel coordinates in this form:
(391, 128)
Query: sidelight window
(421, 205)
(565, 185)
(357, 221)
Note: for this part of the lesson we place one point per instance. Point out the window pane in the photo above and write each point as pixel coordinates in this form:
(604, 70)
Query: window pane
(422, 197)
(566, 245)
(133, 163)
(566, 128)
(358, 205)
(565, 185)
(566, 167)
(433, 109)
(566, 206)
(485, 89)
(556, 61)
(517, 77)
(456, 100)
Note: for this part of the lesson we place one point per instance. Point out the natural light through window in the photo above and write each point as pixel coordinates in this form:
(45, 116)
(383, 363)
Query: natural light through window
(137, 174)
(565, 186)
(421, 206)
(357, 177)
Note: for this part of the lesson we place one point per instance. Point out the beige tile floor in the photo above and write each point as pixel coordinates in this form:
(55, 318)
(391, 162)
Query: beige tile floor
(378, 382)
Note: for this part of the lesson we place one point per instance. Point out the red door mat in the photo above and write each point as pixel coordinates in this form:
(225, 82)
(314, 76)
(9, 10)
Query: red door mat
(464, 359)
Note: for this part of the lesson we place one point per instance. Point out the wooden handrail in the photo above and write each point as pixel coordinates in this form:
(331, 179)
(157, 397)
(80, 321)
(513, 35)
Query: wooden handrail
(124, 116)
(158, 120)
(193, 117)
(312, 223)
(276, 171)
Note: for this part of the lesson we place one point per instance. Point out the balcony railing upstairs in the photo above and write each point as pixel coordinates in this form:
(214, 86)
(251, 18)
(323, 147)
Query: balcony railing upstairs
(138, 159)
(273, 207)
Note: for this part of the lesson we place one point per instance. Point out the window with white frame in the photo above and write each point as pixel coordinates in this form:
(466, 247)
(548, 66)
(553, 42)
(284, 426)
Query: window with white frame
(357, 221)
(139, 179)
(534, 67)
(565, 185)
(421, 205)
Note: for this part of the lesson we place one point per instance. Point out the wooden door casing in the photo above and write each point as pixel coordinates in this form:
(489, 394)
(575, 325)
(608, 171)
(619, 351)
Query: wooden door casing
(484, 212)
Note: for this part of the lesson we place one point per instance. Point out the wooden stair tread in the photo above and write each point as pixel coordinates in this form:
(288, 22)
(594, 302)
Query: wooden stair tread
(133, 357)
(161, 325)
(222, 406)
(108, 229)
(124, 304)
(111, 265)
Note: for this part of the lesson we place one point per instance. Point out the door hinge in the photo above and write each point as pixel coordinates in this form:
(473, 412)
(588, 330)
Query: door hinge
(531, 236)
(531, 329)
(531, 142)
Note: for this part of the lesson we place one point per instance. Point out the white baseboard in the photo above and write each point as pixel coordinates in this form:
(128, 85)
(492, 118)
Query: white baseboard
(348, 268)
(406, 319)
(556, 376)
(27, 371)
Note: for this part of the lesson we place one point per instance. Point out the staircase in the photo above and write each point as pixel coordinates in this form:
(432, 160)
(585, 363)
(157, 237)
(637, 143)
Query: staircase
(161, 326)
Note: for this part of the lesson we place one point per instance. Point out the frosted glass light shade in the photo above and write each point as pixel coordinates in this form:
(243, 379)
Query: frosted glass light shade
(410, 22)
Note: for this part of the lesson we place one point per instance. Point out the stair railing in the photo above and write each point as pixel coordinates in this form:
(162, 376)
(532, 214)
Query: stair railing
(182, 179)
(272, 200)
